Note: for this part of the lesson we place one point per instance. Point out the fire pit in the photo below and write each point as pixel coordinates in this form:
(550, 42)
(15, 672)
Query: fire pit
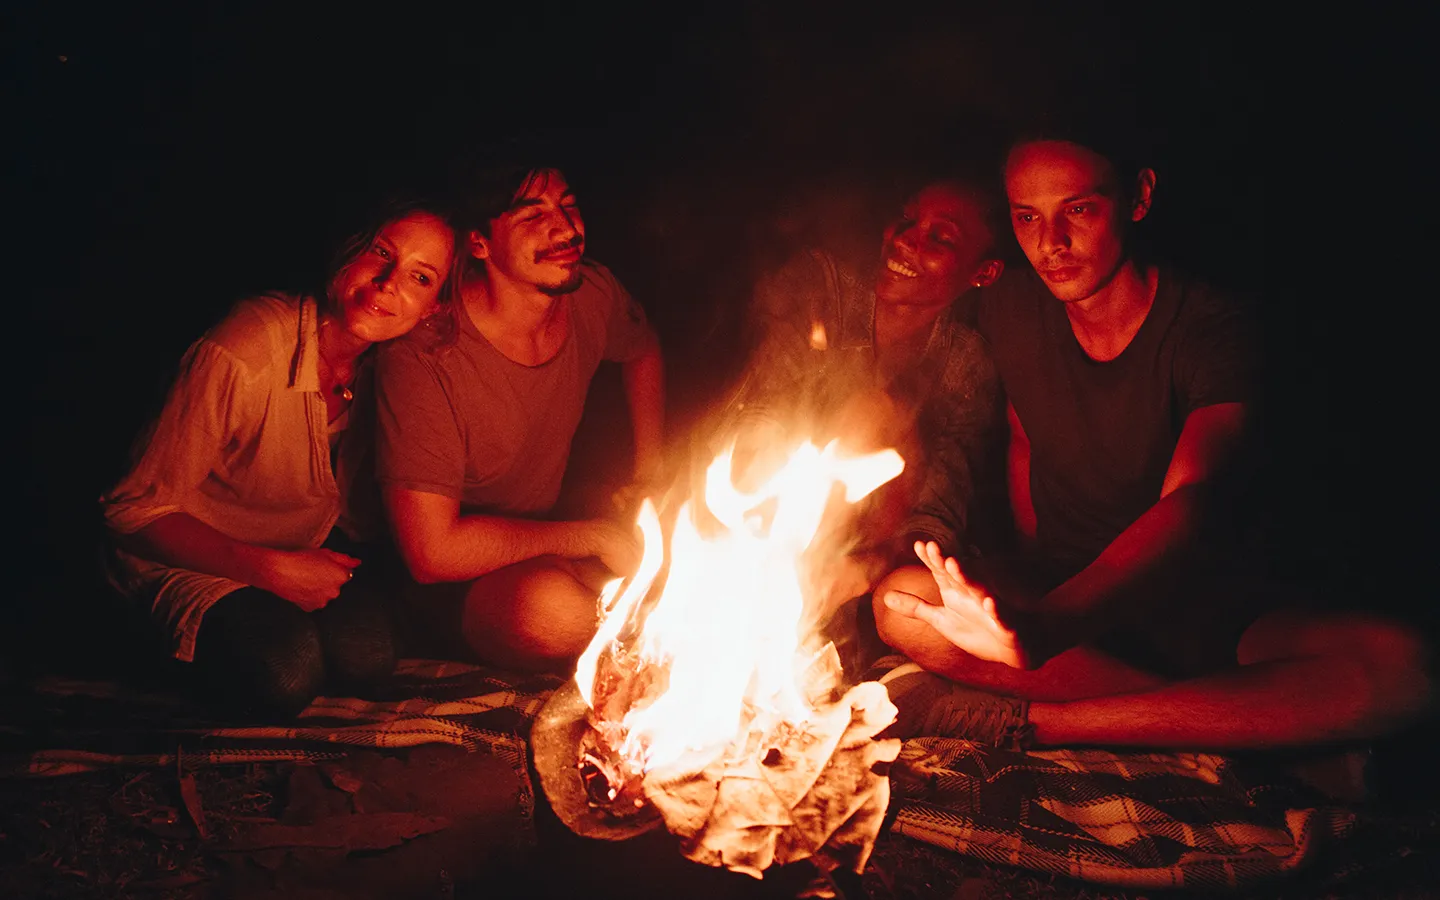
(701, 705)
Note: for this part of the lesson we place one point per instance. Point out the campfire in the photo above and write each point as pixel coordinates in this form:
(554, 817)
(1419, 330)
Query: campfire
(702, 701)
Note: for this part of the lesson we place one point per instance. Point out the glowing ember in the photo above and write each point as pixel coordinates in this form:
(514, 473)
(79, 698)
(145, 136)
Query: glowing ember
(702, 701)
(818, 340)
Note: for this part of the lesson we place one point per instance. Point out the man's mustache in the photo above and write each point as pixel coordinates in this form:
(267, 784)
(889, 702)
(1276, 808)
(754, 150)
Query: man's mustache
(1051, 265)
(556, 250)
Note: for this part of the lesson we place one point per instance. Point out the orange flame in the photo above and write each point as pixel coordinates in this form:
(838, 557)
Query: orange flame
(726, 626)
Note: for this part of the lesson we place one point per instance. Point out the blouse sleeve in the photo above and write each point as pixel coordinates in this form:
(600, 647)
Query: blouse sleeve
(201, 419)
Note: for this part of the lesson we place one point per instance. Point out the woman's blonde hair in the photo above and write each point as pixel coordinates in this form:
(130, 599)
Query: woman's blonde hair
(441, 323)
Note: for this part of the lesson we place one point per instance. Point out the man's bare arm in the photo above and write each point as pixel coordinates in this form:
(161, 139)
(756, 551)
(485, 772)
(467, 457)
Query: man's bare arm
(644, 380)
(1095, 598)
(439, 544)
(1017, 475)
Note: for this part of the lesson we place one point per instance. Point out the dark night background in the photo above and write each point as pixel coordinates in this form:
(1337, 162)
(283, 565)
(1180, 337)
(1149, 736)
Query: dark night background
(171, 159)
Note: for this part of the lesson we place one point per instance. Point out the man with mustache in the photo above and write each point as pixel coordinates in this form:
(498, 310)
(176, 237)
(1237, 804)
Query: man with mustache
(1130, 399)
(475, 431)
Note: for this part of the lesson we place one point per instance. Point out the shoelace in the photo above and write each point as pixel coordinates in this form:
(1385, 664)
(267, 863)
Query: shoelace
(994, 721)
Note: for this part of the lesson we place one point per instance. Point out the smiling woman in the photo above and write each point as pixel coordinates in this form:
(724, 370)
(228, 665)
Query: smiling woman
(230, 524)
(878, 359)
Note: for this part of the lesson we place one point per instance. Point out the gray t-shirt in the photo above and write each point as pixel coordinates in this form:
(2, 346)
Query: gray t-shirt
(1102, 434)
(463, 420)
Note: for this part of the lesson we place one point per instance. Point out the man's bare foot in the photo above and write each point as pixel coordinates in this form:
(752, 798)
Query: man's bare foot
(967, 617)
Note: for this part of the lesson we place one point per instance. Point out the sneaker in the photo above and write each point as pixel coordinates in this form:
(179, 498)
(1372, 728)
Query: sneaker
(883, 667)
(933, 706)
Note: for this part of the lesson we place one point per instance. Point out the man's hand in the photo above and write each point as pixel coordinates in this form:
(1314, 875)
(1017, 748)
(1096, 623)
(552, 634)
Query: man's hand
(307, 578)
(618, 547)
(967, 617)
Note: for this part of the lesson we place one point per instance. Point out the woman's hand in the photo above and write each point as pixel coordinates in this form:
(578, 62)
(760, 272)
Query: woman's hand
(307, 578)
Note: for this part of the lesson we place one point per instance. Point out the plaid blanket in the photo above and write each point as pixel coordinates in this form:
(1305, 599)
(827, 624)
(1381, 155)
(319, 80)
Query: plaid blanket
(1132, 820)
(1137, 820)
(82, 726)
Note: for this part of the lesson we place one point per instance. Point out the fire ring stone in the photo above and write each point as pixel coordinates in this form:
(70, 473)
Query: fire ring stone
(555, 747)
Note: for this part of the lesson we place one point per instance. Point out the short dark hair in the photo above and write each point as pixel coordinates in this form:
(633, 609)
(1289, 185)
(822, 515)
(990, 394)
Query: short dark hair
(1115, 136)
(486, 183)
(1121, 140)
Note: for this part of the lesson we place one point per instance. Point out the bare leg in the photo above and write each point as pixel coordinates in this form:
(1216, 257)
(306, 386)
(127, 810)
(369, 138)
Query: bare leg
(1079, 672)
(1302, 680)
(535, 615)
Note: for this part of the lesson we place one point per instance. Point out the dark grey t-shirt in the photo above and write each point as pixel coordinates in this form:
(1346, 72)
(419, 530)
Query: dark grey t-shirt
(463, 420)
(1102, 434)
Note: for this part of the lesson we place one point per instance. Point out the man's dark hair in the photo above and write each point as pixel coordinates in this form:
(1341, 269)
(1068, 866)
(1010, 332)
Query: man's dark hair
(1120, 140)
(486, 185)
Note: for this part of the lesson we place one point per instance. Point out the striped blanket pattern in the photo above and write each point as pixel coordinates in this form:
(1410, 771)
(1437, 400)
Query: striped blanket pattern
(1134, 820)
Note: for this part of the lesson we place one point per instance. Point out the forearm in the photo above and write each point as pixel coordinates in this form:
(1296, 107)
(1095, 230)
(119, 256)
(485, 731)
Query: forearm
(644, 380)
(1017, 479)
(182, 541)
(476, 545)
(1098, 597)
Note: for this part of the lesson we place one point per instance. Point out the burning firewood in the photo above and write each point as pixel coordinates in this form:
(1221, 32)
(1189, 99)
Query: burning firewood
(699, 707)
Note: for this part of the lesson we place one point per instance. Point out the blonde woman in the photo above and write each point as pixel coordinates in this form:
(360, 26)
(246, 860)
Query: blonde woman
(231, 525)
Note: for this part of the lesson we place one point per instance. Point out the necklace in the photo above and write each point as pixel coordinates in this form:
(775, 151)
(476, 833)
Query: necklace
(341, 389)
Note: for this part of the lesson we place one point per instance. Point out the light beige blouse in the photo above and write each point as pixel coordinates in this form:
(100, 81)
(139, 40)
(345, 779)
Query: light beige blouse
(243, 445)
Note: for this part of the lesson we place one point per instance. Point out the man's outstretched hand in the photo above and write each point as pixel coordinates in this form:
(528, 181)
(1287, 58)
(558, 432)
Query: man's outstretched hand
(967, 617)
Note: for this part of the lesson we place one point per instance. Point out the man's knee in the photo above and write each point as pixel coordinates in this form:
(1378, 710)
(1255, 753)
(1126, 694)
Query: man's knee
(894, 628)
(557, 613)
(1395, 660)
(1295, 632)
(548, 617)
(1400, 661)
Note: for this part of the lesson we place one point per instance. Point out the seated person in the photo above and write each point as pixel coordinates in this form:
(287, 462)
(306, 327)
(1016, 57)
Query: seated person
(885, 360)
(1124, 621)
(475, 432)
(231, 525)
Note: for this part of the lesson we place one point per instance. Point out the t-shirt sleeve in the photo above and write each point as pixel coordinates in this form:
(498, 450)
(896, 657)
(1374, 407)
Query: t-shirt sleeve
(418, 445)
(628, 334)
(1216, 360)
(206, 410)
